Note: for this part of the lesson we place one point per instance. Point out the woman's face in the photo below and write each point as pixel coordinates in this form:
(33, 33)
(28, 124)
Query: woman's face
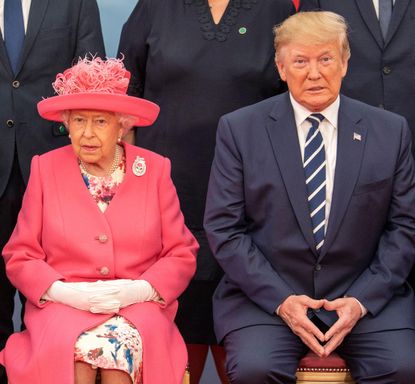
(94, 136)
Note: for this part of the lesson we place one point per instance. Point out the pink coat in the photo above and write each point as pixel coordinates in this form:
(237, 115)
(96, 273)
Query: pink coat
(62, 234)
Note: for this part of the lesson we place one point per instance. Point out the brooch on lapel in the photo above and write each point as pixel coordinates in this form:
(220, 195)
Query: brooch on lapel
(139, 166)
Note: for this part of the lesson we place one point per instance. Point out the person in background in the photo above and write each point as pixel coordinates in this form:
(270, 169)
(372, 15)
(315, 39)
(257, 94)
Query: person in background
(382, 65)
(199, 59)
(100, 249)
(311, 214)
(39, 38)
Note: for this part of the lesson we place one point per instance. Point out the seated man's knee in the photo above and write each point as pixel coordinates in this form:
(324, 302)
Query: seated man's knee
(404, 370)
(256, 370)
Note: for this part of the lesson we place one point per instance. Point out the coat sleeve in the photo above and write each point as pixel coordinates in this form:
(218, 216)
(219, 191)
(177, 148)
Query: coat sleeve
(395, 255)
(133, 46)
(228, 229)
(176, 265)
(25, 259)
(89, 33)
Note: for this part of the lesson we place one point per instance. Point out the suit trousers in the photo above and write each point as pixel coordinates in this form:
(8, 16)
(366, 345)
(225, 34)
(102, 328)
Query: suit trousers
(10, 203)
(269, 354)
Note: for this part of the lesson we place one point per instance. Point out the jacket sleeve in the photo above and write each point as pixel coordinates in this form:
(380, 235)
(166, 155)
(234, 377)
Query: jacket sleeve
(176, 265)
(89, 33)
(228, 229)
(25, 259)
(395, 255)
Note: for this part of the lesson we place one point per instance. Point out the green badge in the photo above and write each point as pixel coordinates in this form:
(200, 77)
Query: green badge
(242, 30)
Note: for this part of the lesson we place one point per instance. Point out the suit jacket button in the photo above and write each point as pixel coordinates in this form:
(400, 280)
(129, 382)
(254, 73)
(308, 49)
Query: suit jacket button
(318, 267)
(387, 70)
(103, 238)
(104, 271)
(10, 123)
(16, 84)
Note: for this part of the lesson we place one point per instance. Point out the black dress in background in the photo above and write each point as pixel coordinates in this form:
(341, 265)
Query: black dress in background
(197, 71)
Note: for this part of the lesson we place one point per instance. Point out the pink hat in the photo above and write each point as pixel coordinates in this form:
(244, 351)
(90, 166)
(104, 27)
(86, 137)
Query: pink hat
(97, 84)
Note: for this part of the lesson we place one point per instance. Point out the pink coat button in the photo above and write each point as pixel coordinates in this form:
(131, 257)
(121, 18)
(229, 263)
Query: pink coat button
(104, 271)
(102, 238)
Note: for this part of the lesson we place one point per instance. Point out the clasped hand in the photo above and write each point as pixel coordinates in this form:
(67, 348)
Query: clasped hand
(294, 312)
(100, 296)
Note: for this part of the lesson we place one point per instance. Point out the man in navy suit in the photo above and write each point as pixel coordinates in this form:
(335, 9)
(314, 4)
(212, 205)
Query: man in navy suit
(382, 66)
(311, 214)
(40, 38)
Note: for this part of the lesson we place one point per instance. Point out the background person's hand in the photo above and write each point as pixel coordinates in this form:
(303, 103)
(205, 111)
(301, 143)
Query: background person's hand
(293, 311)
(349, 312)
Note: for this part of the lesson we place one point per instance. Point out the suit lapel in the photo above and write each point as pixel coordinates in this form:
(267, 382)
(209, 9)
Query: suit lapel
(133, 189)
(36, 15)
(4, 58)
(350, 148)
(368, 13)
(282, 132)
(399, 10)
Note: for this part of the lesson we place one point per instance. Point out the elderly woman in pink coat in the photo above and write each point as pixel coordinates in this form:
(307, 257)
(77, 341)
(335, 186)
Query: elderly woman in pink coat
(100, 249)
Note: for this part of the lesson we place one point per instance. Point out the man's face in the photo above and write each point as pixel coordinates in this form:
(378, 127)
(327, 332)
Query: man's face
(313, 72)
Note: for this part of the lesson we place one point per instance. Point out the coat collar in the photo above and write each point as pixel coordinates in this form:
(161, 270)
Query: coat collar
(75, 193)
(399, 11)
(36, 16)
(282, 133)
(368, 14)
(350, 152)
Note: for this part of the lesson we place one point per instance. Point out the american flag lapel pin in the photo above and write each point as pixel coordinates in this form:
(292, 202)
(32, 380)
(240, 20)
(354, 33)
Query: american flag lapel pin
(357, 136)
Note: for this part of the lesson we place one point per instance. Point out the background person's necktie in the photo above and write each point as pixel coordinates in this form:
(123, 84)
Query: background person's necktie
(385, 14)
(315, 175)
(14, 33)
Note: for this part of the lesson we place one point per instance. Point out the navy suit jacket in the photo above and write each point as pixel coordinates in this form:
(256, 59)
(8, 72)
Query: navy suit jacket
(58, 32)
(259, 228)
(380, 73)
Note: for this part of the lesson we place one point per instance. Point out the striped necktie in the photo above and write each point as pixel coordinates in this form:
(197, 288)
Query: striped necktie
(315, 175)
(14, 33)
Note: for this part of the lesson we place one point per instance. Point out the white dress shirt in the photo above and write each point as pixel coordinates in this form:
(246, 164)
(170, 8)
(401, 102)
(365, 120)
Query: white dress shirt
(328, 129)
(25, 9)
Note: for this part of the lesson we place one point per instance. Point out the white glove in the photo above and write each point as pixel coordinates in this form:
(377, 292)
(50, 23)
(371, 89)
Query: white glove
(131, 291)
(93, 297)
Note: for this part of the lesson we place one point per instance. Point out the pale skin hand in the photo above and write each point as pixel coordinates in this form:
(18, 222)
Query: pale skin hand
(293, 311)
(349, 312)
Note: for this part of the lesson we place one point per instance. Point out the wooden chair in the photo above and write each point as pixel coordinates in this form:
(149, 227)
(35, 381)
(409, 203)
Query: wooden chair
(186, 377)
(330, 370)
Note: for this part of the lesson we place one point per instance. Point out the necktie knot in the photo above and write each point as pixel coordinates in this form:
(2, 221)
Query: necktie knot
(315, 118)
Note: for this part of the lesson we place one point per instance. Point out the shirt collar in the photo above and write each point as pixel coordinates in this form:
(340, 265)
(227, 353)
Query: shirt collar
(331, 113)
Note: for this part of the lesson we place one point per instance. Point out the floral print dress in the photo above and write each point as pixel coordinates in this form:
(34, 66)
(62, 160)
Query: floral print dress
(116, 343)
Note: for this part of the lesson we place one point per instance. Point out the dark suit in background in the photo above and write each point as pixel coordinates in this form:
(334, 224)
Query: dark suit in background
(381, 73)
(57, 33)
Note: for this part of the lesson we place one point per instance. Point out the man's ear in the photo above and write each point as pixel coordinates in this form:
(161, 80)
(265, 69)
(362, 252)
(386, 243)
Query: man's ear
(281, 68)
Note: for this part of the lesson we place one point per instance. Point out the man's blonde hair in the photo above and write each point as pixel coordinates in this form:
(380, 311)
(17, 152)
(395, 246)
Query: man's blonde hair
(312, 28)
